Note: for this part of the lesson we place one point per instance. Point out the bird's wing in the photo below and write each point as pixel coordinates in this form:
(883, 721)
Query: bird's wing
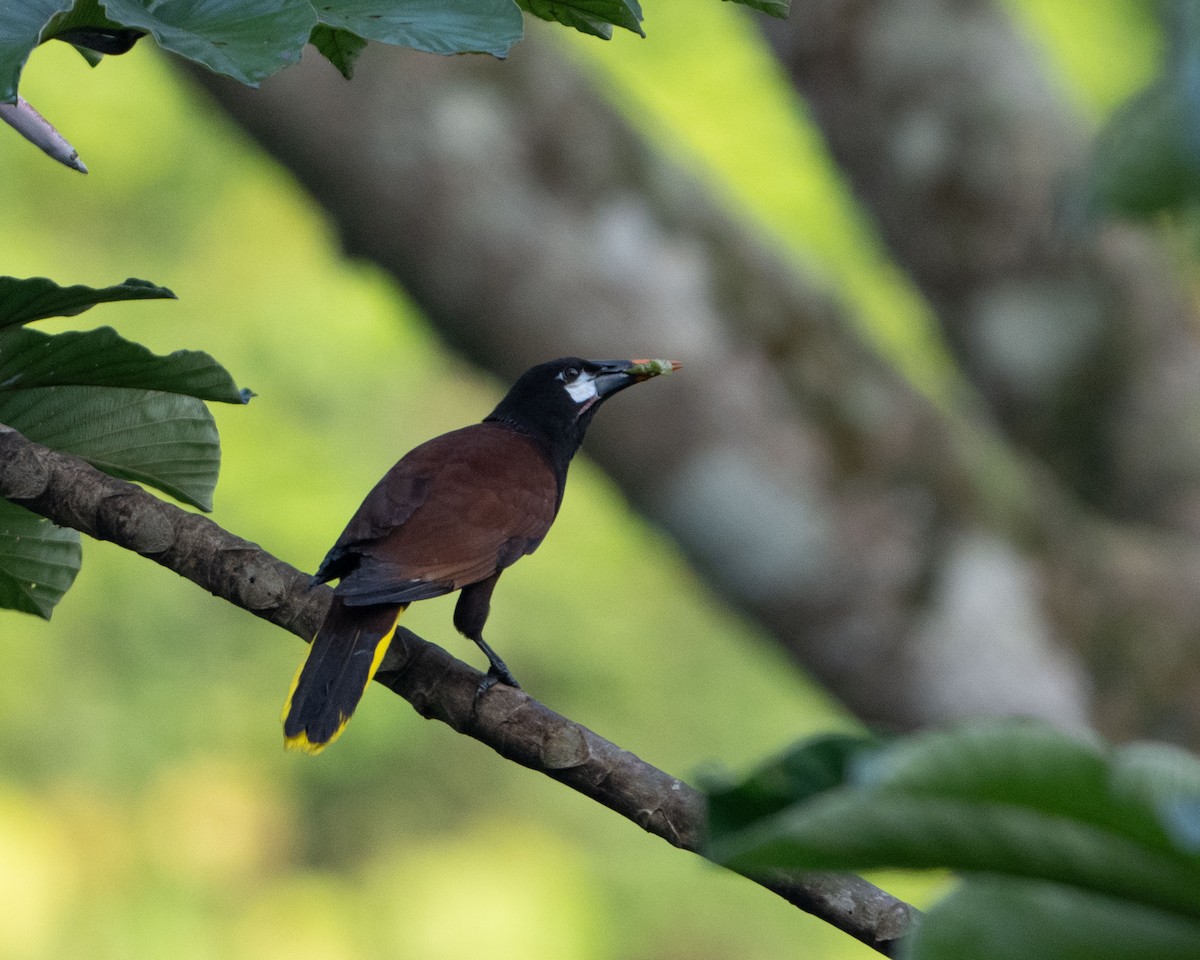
(451, 513)
(389, 504)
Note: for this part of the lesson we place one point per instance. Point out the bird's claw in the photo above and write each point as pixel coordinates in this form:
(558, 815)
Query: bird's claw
(493, 677)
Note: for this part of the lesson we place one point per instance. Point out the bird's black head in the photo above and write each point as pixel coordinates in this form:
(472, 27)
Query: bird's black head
(555, 401)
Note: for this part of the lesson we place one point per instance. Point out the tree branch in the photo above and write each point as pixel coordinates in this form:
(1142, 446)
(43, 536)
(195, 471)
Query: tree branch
(72, 493)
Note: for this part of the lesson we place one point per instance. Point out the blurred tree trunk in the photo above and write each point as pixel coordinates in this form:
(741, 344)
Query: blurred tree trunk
(907, 557)
(1078, 335)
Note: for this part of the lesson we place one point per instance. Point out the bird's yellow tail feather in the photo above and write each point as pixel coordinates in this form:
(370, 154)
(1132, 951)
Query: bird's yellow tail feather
(335, 674)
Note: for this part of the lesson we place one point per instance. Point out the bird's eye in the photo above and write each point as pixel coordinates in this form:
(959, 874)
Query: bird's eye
(571, 373)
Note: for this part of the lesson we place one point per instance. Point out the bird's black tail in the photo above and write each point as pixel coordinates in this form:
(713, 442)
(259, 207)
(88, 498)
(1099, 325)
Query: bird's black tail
(343, 658)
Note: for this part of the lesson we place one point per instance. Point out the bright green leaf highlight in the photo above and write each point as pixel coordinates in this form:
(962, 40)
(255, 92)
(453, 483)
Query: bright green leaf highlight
(161, 439)
(23, 300)
(38, 561)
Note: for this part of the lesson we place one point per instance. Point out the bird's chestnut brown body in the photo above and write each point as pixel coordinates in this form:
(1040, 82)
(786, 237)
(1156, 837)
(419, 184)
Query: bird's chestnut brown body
(450, 515)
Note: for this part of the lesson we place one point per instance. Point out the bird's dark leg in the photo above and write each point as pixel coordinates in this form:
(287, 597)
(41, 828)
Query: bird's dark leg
(471, 613)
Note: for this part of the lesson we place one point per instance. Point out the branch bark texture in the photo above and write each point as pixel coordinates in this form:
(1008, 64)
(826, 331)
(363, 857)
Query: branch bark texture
(72, 493)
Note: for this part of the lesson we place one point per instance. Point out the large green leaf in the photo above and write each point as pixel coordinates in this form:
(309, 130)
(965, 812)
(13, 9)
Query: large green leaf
(244, 39)
(112, 402)
(38, 560)
(1002, 798)
(102, 358)
(999, 919)
(594, 17)
(162, 439)
(861, 830)
(1018, 764)
(435, 26)
(21, 25)
(23, 299)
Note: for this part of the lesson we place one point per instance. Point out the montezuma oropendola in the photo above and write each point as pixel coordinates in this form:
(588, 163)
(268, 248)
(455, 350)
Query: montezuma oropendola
(450, 515)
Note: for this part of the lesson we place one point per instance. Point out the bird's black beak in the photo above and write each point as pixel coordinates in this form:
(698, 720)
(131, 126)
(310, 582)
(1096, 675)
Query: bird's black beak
(615, 375)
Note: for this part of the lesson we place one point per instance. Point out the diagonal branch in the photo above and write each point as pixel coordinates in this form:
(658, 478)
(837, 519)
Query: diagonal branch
(72, 493)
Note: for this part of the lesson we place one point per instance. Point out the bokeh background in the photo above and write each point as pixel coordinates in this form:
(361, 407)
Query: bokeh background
(146, 806)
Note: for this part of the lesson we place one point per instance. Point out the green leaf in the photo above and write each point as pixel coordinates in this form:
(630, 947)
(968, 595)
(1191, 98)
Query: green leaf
(21, 25)
(92, 58)
(853, 830)
(593, 17)
(102, 358)
(1006, 798)
(161, 439)
(1165, 780)
(997, 919)
(38, 561)
(776, 8)
(1181, 817)
(1146, 159)
(340, 47)
(435, 26)
(35, 298)
(1019, 763)
(820, 764)
(85, 27)
(96, 42)
(244, 39)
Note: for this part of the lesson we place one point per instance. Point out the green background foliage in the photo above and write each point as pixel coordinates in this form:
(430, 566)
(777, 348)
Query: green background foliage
(146, 805)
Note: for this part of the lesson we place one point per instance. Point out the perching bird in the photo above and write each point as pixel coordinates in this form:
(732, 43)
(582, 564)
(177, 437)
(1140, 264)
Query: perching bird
(450, 515)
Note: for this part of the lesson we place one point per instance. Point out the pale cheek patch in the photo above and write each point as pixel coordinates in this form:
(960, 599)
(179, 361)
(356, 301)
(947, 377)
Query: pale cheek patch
(583, 389)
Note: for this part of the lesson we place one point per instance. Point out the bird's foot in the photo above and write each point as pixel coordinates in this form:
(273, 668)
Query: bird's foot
(498, 673)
